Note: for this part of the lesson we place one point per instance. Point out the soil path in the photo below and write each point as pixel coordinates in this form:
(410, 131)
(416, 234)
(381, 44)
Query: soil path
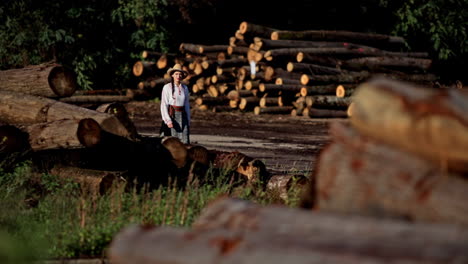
(285, 144)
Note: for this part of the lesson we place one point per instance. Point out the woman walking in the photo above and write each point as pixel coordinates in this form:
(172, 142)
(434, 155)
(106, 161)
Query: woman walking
(175, 106)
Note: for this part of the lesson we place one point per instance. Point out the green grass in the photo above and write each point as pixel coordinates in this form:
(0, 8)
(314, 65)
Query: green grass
(51, 218)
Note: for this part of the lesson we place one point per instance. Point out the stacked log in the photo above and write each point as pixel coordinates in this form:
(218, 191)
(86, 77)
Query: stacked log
(236, 231)
(407, 160)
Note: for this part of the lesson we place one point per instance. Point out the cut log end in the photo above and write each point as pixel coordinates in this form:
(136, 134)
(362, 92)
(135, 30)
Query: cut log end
(243, 27)
(304, 79)
(274, 35)
(62, 81)
(138, 68)
(261, 87)
(257, 110)
(177, 149)
(303, 91)
(300, 57)
(89, 132)
(340, 91)
(162, 62)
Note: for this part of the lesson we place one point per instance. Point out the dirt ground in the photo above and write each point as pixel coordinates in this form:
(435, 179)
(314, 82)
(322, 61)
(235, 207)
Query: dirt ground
(284, 143)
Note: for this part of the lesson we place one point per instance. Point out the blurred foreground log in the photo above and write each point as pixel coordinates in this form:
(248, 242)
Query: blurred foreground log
(356, 174)
(429, 122)
(247, 233)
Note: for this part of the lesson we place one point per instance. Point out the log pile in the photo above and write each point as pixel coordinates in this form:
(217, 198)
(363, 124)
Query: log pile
(235, 231)
(96, 146)
(309, 73)
(407, 159)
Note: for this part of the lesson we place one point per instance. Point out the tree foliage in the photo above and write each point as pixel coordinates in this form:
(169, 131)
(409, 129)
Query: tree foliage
(442, 23)
(100, 40)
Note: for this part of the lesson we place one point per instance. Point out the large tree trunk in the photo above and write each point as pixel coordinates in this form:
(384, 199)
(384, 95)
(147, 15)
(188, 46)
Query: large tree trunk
(357, 174)
(429, 122)
(48, 80)
(16, 108)
(65, 133)
(143, 245)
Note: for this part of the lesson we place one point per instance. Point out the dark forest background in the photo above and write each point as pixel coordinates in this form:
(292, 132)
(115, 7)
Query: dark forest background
(101, 40)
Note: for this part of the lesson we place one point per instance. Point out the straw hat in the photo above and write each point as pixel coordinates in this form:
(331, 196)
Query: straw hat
(178, 68)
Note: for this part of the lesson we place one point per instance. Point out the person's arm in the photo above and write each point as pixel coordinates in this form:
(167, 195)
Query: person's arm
(165, 95)
(187, 103)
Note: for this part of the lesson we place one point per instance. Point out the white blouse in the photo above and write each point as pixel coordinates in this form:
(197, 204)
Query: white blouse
(180, 97)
